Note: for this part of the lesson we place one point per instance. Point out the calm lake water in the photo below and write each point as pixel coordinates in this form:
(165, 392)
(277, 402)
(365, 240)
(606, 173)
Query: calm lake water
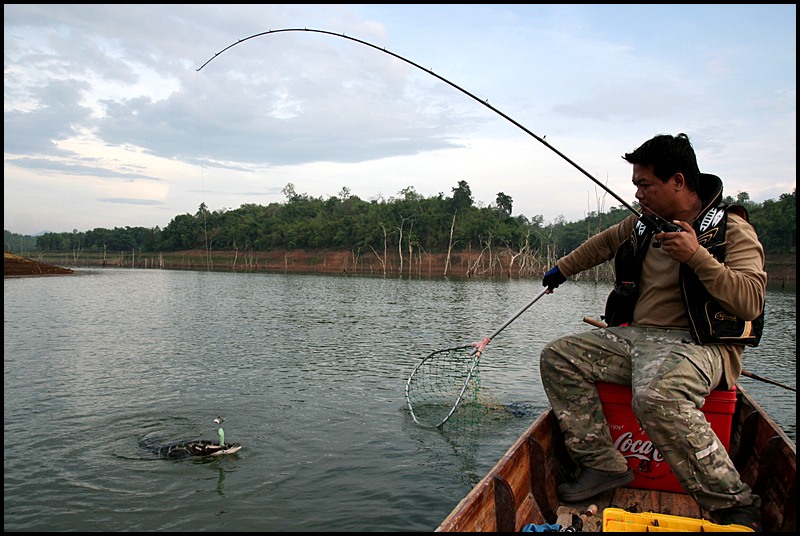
(308, 371)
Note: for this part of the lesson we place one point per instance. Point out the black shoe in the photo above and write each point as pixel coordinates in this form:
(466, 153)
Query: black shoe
(592, 482)
(746, 516)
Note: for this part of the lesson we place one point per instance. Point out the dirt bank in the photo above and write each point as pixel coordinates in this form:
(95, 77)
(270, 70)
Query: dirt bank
(14, 265)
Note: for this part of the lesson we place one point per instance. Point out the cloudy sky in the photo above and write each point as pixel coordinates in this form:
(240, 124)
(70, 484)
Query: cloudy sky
(114, 116)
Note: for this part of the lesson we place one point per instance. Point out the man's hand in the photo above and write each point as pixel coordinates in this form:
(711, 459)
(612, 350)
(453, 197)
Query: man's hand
(553, 278)
(680, 245)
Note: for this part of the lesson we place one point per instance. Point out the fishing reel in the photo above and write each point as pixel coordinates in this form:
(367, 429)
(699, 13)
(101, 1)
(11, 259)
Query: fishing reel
(658, 225)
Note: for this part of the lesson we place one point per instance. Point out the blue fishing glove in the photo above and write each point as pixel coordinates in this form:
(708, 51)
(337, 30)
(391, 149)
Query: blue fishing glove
(553, 278)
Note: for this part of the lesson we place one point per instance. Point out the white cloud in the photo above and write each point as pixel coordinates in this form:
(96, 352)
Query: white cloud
(107, 121)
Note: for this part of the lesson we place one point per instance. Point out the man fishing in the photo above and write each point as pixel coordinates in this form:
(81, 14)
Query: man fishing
(689, 295)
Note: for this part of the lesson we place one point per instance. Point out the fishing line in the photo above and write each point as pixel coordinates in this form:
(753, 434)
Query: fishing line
(655, 222)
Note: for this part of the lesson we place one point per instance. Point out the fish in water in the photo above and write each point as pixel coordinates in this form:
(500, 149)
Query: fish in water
(196, 447)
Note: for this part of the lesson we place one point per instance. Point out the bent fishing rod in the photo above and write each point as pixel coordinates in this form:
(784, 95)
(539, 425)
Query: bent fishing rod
(655, 221)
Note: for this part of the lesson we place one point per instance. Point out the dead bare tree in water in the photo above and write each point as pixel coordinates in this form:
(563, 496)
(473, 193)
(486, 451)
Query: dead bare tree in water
(450, 244)
(385, 247)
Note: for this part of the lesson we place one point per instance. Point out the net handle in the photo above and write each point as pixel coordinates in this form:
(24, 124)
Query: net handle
(510, 320)
(482, 344)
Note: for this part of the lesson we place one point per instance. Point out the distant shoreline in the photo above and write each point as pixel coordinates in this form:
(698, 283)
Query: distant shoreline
(781, 269)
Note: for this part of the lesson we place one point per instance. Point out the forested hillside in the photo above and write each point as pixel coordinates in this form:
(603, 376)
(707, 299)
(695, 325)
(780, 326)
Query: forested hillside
(390, 232)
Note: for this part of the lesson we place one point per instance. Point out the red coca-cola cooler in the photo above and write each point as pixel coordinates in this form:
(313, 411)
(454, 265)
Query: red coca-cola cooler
(649, 468)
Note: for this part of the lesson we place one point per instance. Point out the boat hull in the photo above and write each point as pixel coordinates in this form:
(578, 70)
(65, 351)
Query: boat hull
(521, 488)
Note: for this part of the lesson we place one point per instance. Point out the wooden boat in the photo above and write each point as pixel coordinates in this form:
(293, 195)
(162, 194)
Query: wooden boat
(521, 488)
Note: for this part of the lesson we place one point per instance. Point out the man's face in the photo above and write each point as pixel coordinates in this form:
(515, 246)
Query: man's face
(654, 196)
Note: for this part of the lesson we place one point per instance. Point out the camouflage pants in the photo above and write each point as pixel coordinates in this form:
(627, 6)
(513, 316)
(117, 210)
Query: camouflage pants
(670, 377)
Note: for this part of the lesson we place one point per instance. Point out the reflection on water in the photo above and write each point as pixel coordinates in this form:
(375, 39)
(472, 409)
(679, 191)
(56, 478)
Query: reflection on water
(309, 373)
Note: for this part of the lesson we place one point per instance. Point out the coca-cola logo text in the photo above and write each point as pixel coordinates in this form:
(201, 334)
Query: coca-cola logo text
(638, 448)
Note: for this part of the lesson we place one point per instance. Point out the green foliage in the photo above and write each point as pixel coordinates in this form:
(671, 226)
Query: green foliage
(17, 243)
(410, 222)
(774, 221)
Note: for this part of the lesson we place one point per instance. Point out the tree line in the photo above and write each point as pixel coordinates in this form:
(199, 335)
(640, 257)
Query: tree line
(406, 225)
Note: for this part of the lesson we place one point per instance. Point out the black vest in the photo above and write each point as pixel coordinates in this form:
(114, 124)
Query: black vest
(709, 322)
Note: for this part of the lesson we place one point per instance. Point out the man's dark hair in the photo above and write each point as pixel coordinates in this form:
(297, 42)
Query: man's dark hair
(668, 155)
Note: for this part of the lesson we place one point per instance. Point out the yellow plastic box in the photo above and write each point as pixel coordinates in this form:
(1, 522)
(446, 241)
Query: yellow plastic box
(618, 520)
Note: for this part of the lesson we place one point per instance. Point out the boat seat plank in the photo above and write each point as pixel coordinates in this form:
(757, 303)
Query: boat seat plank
(505, 509)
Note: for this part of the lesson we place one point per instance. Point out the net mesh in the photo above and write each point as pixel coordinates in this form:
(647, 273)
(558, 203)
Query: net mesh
(435, 385)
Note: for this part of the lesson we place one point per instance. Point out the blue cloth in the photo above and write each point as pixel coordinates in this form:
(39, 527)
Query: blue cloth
(544, 527)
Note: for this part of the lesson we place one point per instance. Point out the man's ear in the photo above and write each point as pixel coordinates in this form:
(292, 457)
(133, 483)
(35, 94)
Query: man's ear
(679, 180)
